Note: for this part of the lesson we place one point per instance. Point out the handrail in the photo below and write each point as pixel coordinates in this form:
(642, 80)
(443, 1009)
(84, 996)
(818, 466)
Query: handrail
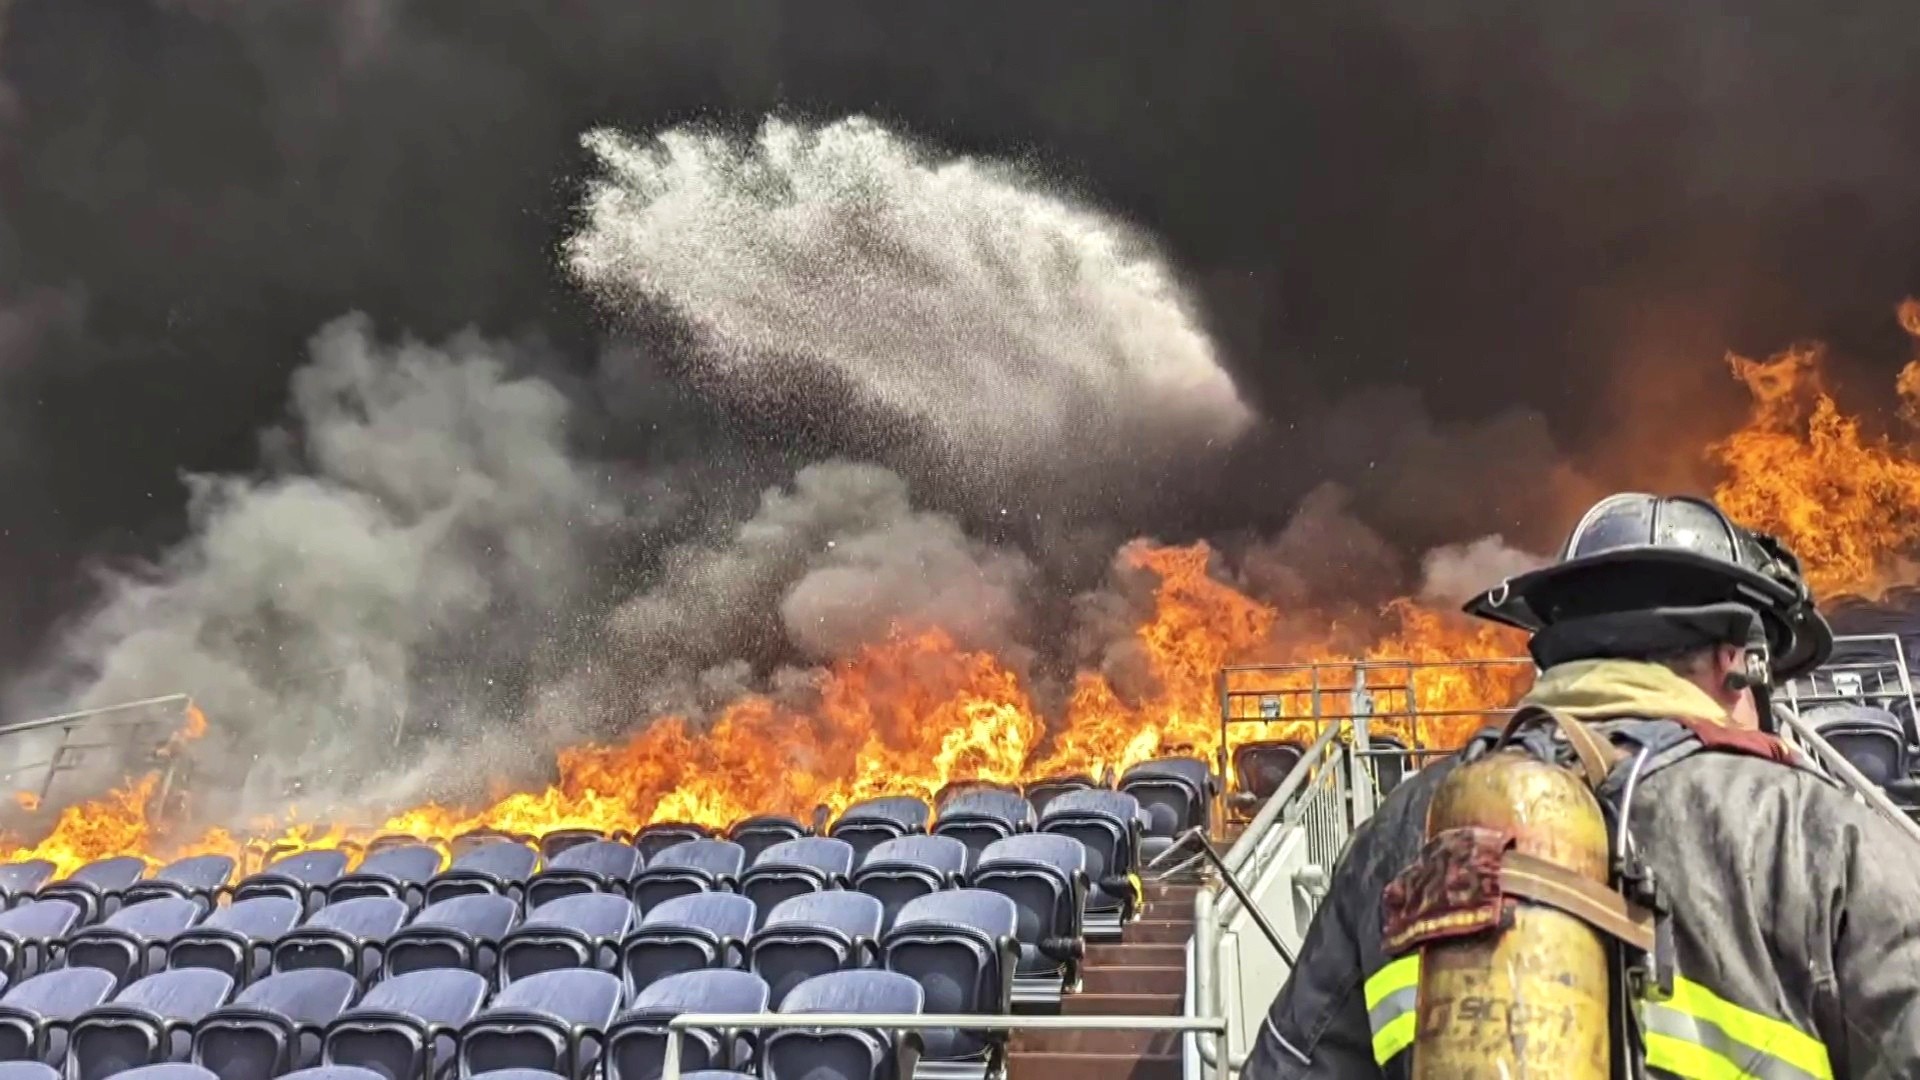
(1836, 762)
(43, 722)
(678, 1026)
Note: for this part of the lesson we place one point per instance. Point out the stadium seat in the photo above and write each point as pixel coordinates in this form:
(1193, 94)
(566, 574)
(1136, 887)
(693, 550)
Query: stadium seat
(1045, 877)
(757, 834)
(1388, 768)
(868, 824)
(35, 1013)
(561, 840)
(1177, 795)
(660, 836)
(96, 887)
(1259, 768)
(22, 879)
(688, 867)
(582, 931)
(27, 1070)
(1044, 791)
(898, 871)
(167, 1070)
(556, 1021)
(980, 816)
(237, 939)
(523, 1074)
(846, 1053)
(597, 866)
(498, 867)
(687, 933)
(1869, 738)
(814, 934)
(406, 1027)
(400, 871)
(792, 867)
(959, 945)
(348, 936)
(637, 1042)
(459, 932)
(273, 1026)
(28, 934)
(133, 941)
(199, 877)
(1107, 823)
(335, 1072)
(303, 876)
(150, 1021)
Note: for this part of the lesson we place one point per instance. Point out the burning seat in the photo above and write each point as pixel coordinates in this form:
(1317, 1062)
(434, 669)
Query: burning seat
(1045, 876)
(273, 1026)
(898, 871)
(1107, 824)
(582, 931)
(150, 1021)
(959, 946)
(495, 867)
(597, 866)
(813, 934)
(868, 824)
(1177, 795)
(198, 877)
(850, 1053)
(687, 933)
(1040, 793)
(557, 841)
(28, 934)
(400, 871)
(658, 837)
(96, 887)
(980, 816)
(303, 876)
(1259, 768)
(556, 1021)
(35, 1014)
(637, 1041)
(792, 867)
(459, 932)
(21, 880)
(349, 936)
(237, 939)
(756, 834)
(133, 941)
(690, 866)
(407, 1027)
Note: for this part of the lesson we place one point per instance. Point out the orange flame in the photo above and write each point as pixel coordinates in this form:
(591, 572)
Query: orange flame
(27, 801)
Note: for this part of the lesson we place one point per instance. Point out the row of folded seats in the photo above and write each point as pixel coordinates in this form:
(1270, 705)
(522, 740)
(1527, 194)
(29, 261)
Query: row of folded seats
(1260, 767)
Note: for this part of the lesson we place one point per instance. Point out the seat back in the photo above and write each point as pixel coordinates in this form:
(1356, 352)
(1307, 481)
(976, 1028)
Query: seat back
(814, 934)
(237, 939)
(1176, 793)
(592, 866)
(658, 837)
(684, 934)
(756, 834)
(636, 1045)
(406, 1026)
(273, 1026)
(301, 876)
(1041, 793)
(1259, 768)
(1107, 823)
(792, 867)
(872, 822)
(34, 1013)
(96, 887)
(559, 841)
(133, 940)
(898, 871)
(400, 871)
(581, 931)
(495, 867)
(979, 816)
(149, 1021)
(350, 936)
(459, 932)
(197, 877)
(688, 867)
(554, 1021)
(959, 946)
(28, 933)
(22, 879)
(1045, 877)
(850, 1054)
(1869, 737)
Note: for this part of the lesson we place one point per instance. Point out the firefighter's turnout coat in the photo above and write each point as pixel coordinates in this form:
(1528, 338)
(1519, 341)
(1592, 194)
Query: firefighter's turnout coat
(1795, 908)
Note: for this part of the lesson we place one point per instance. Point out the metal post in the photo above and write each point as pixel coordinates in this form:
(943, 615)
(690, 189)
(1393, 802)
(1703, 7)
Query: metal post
(1360, 707)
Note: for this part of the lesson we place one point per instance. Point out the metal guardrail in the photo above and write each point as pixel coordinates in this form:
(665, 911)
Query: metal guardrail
(74, 728)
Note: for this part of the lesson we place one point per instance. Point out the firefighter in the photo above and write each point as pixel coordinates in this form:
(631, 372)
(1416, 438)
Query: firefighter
(1793, 909)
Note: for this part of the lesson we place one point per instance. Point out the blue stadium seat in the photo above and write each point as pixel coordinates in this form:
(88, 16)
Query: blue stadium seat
(814, 934)
(658, 837)
(846, 1053)
(133, 941)
(28, 934)
(637, 1042)
(1107, 823)
(497, 867)
(27, 1070)
(148, 1022)
(96, 887)
(896, 872)
(979, 816)
(1176, 793)
(581, 931)
(22, 879)
(167, 1070)
(399, 871)
(687, 933)
(237, 939)
(556, 1020)
(868, 824)
(959, 946)
(1869, 737)
(197, 877)
(335, 1072)
(757, 834)
(459, 932)
(303, 876)
(688, 867)
(558, 841)
(1041, 793)
(1045, 877)
(35, 1013)
(597, 866)
(518, 1074)
(408, 1026)
(274, 1025)
(792, 867)
(348, 936)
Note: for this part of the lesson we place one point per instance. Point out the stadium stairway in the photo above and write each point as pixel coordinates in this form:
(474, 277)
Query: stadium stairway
(1142, 975)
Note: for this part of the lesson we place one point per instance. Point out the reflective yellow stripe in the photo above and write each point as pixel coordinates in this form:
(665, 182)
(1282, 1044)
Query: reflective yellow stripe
(1391, 994)
(1700, 1034)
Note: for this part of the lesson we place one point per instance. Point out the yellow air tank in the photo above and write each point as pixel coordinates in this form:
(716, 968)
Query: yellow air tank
(1530, 1000)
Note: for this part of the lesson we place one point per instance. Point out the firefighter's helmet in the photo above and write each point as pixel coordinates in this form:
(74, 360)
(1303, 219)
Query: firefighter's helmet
(1634, 552)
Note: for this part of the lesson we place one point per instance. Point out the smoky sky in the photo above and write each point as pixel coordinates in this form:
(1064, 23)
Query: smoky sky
(1402, 221)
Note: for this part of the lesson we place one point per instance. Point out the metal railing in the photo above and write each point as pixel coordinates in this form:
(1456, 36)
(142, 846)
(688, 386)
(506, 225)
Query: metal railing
(132, 727)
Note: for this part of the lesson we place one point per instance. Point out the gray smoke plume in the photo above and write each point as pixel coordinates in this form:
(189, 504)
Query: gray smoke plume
(1453, 573)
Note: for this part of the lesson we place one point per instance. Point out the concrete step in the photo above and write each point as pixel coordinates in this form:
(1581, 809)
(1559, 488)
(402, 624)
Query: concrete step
(1134, 980)
(1164, 890)
(1150, 1043)
(1048, 1066)
(1130, 954)
(1084, 1004)
(1158, 932)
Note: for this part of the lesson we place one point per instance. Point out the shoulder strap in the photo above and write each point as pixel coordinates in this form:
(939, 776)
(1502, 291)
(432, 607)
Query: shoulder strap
(1597, 756)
